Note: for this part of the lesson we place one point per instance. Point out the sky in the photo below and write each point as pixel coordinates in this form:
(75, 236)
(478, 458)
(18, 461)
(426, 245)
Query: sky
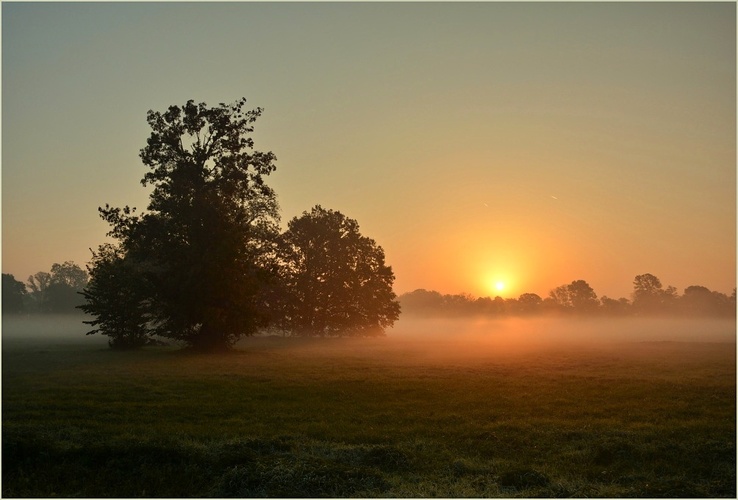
(527, 144)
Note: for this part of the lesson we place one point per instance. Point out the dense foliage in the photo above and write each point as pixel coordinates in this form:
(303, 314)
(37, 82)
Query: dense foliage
(119, 297)
(334, 281)
(14, 294)
(194, 261)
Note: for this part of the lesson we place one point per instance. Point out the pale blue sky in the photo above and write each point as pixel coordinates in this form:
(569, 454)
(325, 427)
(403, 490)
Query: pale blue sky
(534, 142)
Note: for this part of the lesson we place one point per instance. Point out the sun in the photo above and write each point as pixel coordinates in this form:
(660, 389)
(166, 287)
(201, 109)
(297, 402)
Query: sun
(496, 286)
(496, 281)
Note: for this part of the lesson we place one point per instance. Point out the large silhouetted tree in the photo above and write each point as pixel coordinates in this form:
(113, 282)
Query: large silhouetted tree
(200, 251)
(335, 281)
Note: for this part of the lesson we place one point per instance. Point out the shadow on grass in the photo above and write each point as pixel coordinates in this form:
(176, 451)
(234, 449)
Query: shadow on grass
(279, 467)
(287, 466)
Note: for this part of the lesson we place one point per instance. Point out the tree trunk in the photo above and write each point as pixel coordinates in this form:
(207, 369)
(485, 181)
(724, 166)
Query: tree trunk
(210, 339)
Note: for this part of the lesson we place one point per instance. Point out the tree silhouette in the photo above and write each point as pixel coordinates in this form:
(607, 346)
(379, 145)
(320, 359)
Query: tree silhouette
(483, 305)
(201, 249)
(699, 300)
(459, 303)
(559, 296)
(38, 283)
(582, 296)
(59, 290)
(69, 274)
(646, 287)
(14, 294)
(529, 303)
(650, 297)
(335, 281)
(577, 296)
(67, 282)
(619, 307)
(421, 301)
(118, 297)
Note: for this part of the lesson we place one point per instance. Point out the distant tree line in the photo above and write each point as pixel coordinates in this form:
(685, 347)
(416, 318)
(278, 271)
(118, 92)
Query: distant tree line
(54, 292)
(649, 297)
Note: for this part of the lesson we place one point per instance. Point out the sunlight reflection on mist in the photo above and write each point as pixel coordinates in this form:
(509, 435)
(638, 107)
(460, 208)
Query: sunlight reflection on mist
(463, 340)
(585, 330)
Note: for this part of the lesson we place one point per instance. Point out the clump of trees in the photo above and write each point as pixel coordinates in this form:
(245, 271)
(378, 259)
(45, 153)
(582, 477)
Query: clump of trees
(57, 291)
(649, 297)
(206, 263)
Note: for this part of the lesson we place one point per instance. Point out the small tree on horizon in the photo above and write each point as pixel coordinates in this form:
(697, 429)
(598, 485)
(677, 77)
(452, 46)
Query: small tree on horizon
(649, 297)
(577, 296)
(583, 297)
(58, 291)
(529, 303)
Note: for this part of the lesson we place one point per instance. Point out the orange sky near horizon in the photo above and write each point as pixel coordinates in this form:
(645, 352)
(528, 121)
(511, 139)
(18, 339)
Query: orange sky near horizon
(532, 144)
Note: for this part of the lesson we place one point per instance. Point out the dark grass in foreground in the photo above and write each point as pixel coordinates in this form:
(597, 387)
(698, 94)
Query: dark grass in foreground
(370, 417)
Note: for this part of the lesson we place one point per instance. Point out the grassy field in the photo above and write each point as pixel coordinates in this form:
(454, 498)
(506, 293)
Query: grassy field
(392, 417)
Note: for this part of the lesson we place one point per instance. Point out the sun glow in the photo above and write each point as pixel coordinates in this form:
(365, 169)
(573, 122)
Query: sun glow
(495, 263)
(497, 285)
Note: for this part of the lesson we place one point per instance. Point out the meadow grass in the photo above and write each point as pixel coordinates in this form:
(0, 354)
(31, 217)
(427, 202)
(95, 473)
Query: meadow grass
(370, 418)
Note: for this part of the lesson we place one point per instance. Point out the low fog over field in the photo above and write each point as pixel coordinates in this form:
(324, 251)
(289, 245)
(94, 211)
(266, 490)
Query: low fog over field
(578, 329)
(55, 328)
(457, 339)
(467, 334)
